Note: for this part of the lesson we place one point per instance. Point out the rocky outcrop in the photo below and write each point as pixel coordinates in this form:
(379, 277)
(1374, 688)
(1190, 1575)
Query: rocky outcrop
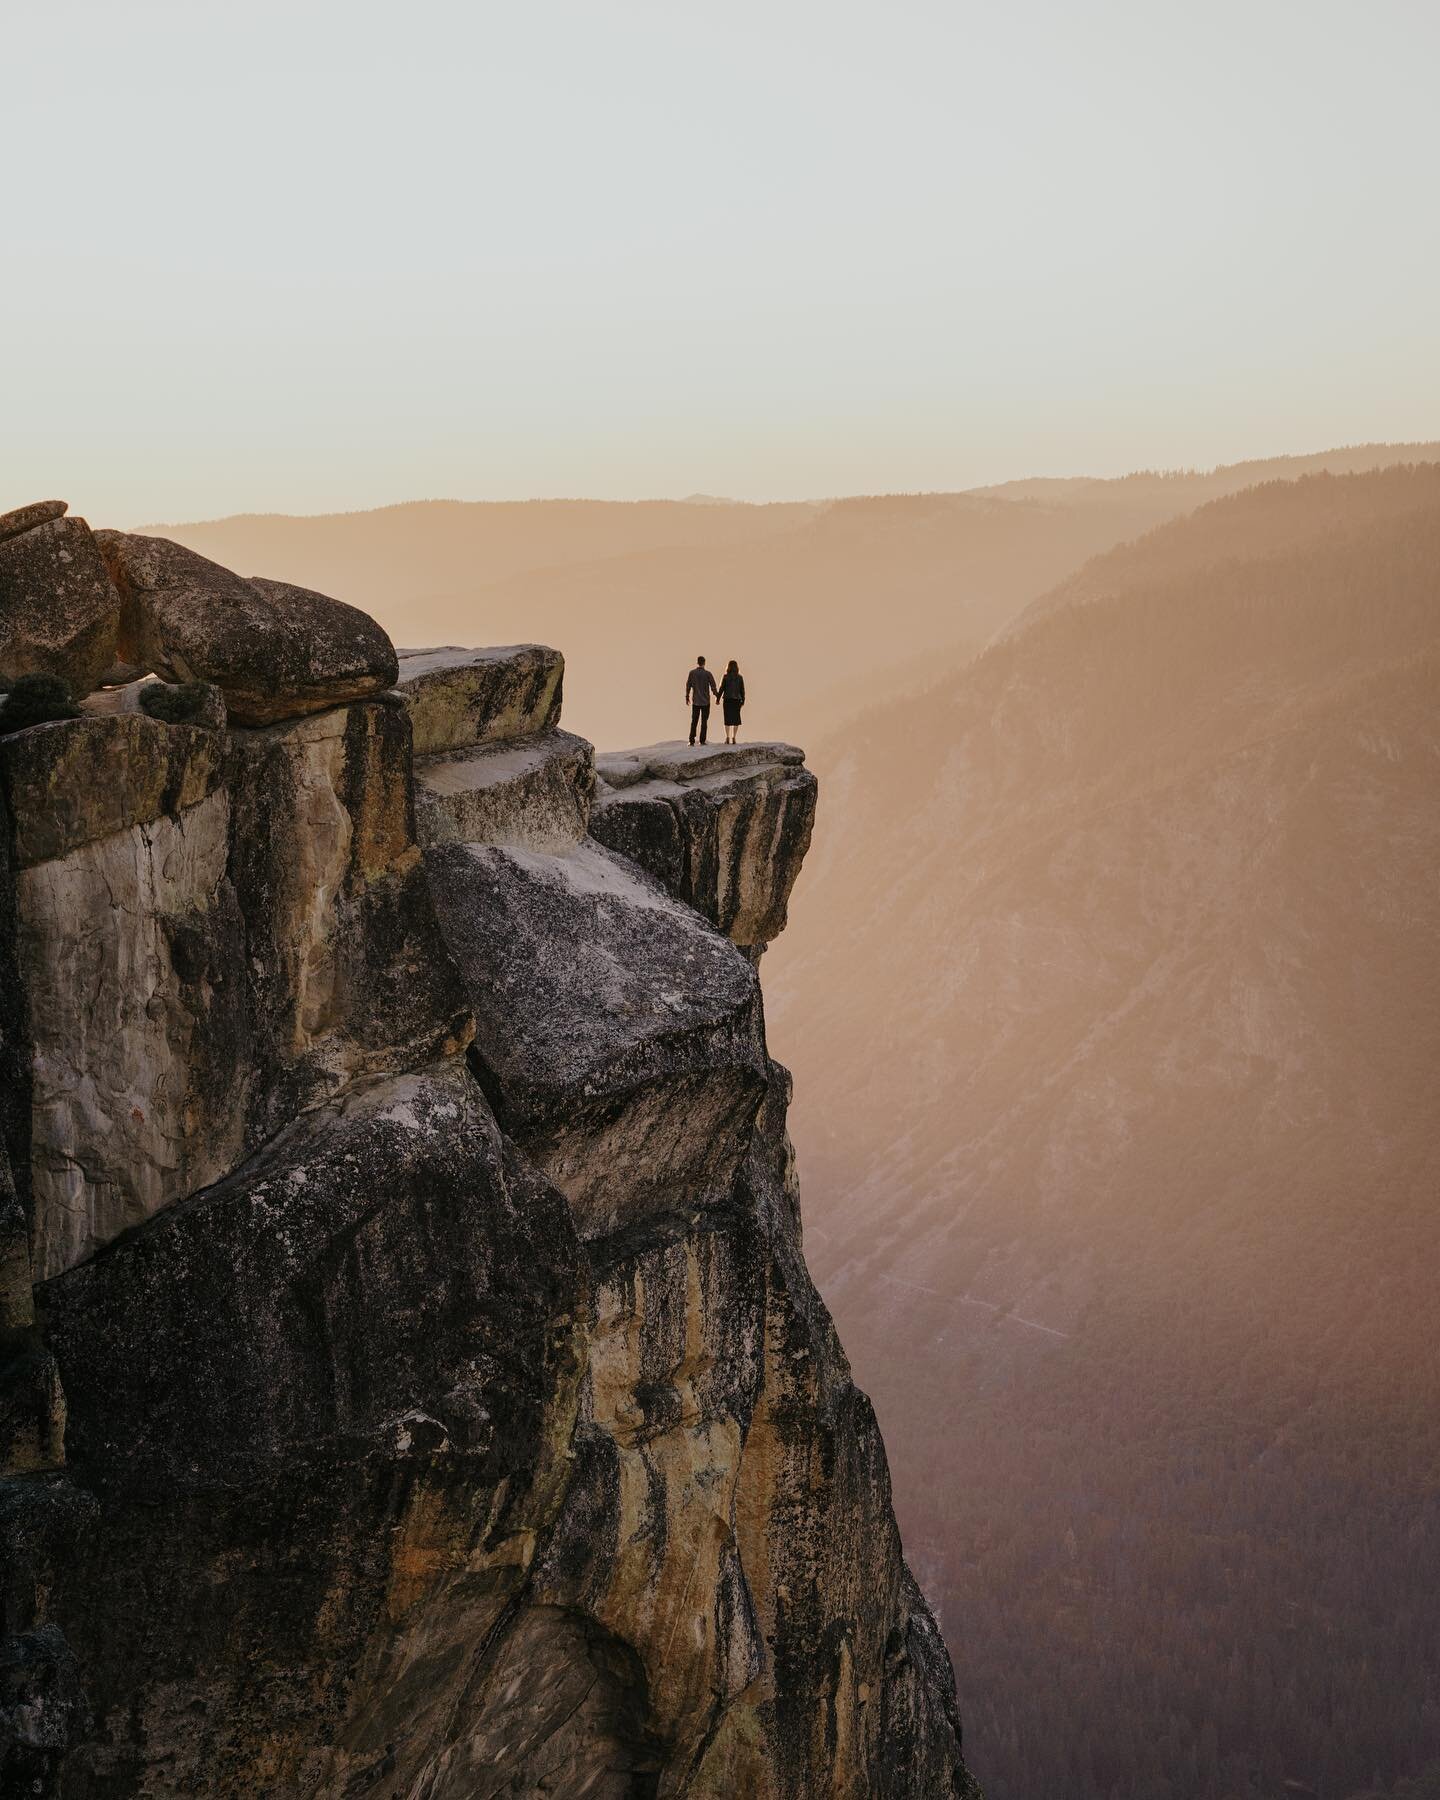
(407, 1237)
(23, 518)
(621, 1043)
(725, 828)
(456, 697)
(59, 611)
(274, 651)
(534, 791)
(334, 1396)
(215, 931)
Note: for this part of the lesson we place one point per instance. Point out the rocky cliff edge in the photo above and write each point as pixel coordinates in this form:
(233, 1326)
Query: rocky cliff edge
(413, 1385)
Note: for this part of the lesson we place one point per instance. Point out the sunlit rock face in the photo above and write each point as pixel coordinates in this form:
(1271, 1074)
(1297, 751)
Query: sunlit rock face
(457, 698)
(215, 930)
(405, 1246)
(724, 827)
(533, 792)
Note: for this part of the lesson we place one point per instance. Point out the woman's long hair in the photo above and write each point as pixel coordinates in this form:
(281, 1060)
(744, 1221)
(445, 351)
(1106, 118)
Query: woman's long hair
(733, 668)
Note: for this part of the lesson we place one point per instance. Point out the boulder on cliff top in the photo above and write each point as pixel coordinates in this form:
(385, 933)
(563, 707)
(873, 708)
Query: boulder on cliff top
(59, 611)
(39, 512)
(275, 651)
(461, 697)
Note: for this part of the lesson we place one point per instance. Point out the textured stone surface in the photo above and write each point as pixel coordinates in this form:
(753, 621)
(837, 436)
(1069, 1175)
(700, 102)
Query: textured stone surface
(59, 611)
(461, 697)
(725, 829)
(32, 1406)
(275, 651)
(530, 791)
(77, 781)
(24, 517)
(621, 1038)
(438, 1424)
(329, 1400)
(44, 1709)
(679, 761)
(15, 1053)
(182, 703)
(215, 933)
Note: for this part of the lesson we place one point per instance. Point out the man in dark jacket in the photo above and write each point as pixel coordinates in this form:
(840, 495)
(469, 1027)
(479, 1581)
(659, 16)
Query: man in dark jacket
(699, 690)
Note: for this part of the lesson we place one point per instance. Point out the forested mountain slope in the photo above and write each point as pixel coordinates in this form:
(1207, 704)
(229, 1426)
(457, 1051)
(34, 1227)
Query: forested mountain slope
(827, 605)
(1117, 1010)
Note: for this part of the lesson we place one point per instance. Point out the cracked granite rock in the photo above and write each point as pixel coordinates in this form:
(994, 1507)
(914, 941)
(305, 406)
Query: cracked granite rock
(724, 827)
(414, 1386)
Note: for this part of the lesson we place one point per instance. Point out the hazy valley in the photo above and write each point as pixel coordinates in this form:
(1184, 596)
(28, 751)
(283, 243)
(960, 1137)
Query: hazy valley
(829, 605)
(1113, 1009)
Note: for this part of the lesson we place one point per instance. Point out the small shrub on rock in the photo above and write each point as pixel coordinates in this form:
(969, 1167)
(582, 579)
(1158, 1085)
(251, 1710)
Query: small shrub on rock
(36, 700)
(183, 703)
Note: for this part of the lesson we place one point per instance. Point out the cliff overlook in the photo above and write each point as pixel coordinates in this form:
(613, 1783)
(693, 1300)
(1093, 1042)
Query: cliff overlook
(413, 1385)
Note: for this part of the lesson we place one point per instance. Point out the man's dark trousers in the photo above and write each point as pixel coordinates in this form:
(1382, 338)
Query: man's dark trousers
(699, 715)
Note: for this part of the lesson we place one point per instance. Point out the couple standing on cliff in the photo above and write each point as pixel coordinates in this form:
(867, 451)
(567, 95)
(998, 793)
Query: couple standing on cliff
(700, 686)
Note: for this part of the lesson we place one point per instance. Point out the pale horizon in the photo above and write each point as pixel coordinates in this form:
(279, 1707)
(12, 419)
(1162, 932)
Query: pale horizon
(260, 264)
(696, 496)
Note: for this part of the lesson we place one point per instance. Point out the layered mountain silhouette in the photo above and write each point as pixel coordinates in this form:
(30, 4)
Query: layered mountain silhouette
(828, 605)
(1119, 1104)
(1114, 1006)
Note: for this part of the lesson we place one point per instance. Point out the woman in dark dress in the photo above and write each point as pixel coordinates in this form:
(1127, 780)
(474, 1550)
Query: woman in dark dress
(732, 698)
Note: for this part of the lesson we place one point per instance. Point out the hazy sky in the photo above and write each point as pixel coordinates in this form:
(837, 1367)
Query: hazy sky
(306, 256)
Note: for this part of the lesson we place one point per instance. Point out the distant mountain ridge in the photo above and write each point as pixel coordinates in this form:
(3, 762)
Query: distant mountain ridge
(825, 603)
(1224, 478)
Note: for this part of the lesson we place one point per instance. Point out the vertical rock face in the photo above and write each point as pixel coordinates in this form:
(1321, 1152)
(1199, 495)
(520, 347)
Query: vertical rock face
(215, 931)
(724, 828)
(402, 1201)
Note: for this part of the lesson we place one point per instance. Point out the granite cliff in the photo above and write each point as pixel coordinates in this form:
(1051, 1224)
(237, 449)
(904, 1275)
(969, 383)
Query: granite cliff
(413, 1385)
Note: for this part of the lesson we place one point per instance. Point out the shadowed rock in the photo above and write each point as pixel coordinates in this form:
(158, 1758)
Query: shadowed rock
(621, 1038)
(59, 611)
(457, 697)
(82, 780)
(726, 828)
(338, 1388)
(379, 1212)
(275, 651)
